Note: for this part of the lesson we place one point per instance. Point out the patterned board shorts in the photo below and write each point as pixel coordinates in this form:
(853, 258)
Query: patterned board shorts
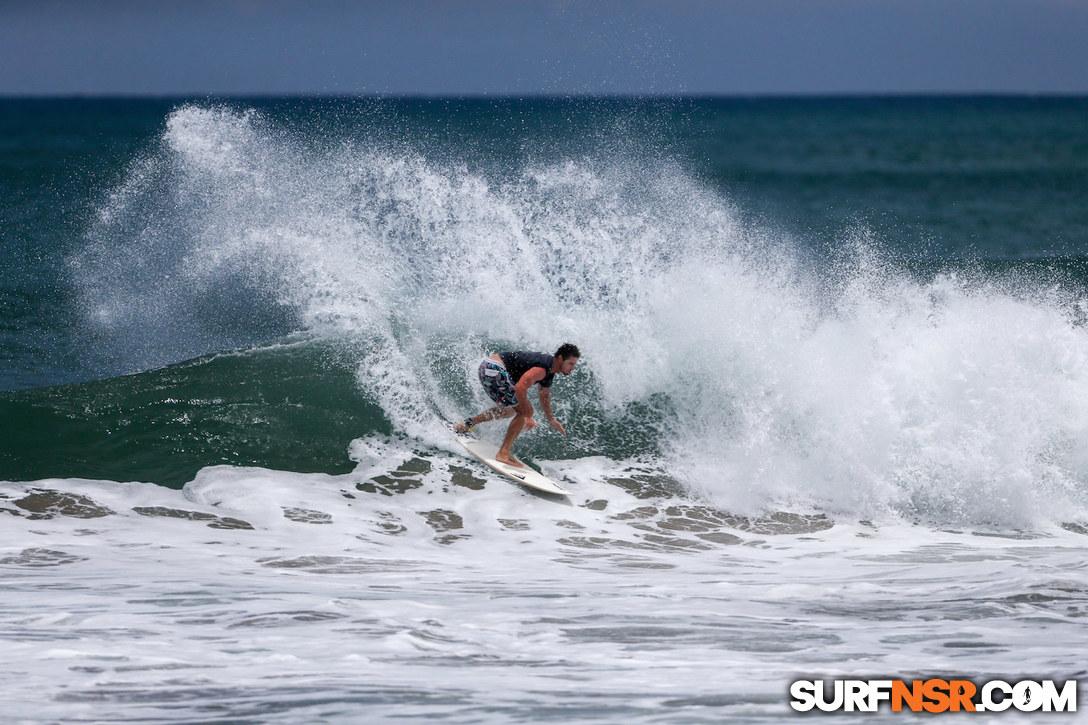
(496, 381)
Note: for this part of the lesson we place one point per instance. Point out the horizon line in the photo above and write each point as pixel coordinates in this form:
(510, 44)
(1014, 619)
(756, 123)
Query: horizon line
(814, 95)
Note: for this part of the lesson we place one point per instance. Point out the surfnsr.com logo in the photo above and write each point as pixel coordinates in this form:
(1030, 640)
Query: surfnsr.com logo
(933, 695)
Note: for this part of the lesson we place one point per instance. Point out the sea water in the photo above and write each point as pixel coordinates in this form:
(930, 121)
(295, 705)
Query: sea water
(830, 419)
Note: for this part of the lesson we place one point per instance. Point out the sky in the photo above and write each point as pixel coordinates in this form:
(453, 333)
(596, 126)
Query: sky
(538, 47)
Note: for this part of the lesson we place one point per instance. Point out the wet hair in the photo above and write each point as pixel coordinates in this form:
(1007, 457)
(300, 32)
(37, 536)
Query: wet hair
(567, 351)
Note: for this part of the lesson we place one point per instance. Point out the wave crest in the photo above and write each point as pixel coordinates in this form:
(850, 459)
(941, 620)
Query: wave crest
(749, 369)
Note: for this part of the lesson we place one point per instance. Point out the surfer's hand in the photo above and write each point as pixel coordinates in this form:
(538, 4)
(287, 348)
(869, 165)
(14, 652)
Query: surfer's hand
(558, 426)
(529, 423)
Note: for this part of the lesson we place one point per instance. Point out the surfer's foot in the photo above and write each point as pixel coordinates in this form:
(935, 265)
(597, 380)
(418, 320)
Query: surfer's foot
(508, 460)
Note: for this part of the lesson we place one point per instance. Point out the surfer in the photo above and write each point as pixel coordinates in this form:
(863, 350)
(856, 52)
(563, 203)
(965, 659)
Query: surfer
(507, 377)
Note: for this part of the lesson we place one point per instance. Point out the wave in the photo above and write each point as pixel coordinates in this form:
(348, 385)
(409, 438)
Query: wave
(292, 406)
(759, 374)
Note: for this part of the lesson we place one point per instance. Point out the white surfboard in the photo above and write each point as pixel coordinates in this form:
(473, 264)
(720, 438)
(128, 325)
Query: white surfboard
(486, 452)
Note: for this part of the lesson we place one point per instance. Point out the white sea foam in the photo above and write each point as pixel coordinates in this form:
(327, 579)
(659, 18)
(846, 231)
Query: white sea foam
(773, 382)
(441, 591)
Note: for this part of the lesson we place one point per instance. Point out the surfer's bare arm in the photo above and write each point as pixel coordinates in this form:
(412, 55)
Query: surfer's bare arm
(545, 395)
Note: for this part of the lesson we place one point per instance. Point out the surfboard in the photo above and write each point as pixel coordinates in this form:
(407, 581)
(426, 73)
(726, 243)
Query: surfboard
(486, 452)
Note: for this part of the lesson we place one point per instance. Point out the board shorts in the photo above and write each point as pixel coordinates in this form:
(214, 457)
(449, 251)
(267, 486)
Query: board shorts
(496, 381)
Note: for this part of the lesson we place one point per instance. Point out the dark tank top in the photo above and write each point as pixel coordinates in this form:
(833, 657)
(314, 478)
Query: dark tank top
(520, 362)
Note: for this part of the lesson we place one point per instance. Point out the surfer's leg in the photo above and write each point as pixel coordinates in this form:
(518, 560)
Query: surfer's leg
(499, 411)
(490, 414)
(516, 426)
(500, 388)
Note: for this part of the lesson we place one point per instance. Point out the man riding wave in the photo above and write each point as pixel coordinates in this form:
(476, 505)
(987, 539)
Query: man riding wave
(507, 377)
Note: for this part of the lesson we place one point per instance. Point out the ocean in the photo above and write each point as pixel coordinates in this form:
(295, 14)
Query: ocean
(830, 419)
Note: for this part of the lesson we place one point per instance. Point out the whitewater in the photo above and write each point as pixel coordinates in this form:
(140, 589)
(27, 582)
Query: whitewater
(787, 462)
